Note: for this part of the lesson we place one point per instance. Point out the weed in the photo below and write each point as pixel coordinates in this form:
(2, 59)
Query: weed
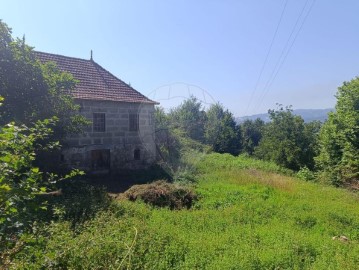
(306, 222)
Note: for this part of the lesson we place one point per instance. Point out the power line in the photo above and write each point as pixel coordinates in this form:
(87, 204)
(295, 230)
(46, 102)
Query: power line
(297, 34)
(282, 53)
(267, 56)
(285, 52)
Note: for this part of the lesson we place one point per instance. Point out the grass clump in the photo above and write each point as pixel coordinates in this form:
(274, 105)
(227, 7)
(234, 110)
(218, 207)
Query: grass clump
(162, 194)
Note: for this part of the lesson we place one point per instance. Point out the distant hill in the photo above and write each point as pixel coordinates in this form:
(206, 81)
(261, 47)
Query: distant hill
(307, 114)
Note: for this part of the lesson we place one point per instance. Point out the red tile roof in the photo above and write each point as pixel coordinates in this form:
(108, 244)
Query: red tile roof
(95, 82)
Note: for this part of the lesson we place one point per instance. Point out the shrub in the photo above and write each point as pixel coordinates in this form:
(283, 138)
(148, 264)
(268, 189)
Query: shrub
(162, 194)
(306, 174)
(20, 181)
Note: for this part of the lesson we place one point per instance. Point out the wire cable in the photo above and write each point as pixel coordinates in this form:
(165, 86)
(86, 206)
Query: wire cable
(267, 57)
(285, 52)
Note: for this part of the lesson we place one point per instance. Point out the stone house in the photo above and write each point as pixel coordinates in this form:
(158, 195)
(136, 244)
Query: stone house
(122, 132)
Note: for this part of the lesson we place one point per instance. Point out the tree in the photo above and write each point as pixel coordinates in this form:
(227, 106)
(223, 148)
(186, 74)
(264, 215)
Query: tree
(251, 134)
(167, 144)
(285, 140)
(221, 130)
(38, 98)
(34, 91)
(339, 138)
(311, 137)
(189, 117)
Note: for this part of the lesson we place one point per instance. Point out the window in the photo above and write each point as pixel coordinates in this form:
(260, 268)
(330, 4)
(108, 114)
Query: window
(99, 122)
(134, 123)
(137, 154)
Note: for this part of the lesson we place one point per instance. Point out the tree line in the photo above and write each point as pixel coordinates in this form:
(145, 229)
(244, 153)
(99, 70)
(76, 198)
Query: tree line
(328, 151)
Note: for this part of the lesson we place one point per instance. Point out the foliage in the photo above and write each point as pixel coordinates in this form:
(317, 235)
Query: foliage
(34, 91)
(310, 144)
(177, 152)
(186, 175)
(167, 143)
(306, 174)
(162, 194)
(190, 118)
(339, 138)
(77, 202)
(221, 131)
(288, 141)
(251, 134)
(245, 218)
(23, 186)
(215, 129)
(20, 182)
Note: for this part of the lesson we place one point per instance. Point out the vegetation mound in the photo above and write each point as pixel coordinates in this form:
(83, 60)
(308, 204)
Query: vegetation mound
(162, 194)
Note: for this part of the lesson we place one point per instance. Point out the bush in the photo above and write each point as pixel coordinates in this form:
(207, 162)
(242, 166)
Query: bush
(20, 181)
(162, 194)
(23, 186)
(306, 174)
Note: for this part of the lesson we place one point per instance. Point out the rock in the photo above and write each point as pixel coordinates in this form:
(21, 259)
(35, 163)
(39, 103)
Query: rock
(341, 238)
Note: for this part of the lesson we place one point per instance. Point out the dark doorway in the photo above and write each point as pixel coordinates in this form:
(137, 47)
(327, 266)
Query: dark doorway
(100, 159)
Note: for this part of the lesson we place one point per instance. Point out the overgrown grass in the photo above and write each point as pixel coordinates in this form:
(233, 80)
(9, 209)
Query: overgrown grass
(223, 162)
(247, 217)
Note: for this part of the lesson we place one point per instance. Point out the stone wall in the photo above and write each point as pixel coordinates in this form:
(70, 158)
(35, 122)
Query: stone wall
(82, 150)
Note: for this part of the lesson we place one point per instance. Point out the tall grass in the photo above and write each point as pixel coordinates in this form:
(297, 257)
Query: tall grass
(247, 217)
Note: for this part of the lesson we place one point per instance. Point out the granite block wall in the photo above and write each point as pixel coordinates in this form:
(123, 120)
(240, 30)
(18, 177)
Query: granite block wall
(89, 151)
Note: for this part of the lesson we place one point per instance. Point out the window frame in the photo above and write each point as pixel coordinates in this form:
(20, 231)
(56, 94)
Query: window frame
(99, 122)
(133, 122)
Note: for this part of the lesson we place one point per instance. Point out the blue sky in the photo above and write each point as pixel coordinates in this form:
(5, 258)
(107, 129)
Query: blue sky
(213, 49)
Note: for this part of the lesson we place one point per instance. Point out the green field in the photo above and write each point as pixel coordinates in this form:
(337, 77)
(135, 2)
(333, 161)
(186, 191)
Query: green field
(250, 215)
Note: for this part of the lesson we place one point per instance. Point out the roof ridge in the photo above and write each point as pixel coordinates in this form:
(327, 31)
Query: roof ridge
(64, 56)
